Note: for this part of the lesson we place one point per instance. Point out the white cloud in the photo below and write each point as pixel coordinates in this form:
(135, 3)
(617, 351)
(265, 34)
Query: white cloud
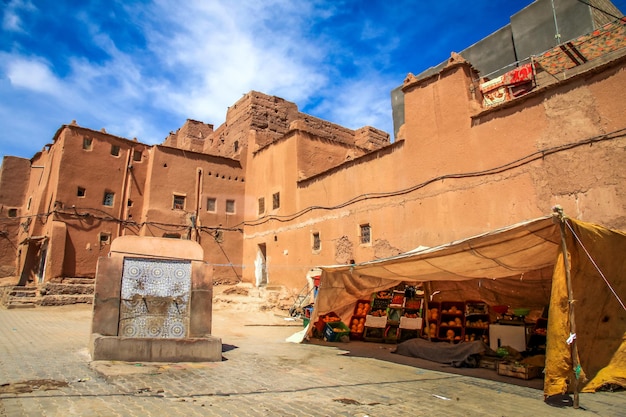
(32, 74)
(198, 58)
(361, 102)
(11, 20)
(221, 52)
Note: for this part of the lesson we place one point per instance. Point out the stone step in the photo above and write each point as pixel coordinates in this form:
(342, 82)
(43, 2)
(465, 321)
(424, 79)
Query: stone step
(23, 292)
(90, 281)
(21, 302)
(51, 288)
(66, 299)
(13, 305)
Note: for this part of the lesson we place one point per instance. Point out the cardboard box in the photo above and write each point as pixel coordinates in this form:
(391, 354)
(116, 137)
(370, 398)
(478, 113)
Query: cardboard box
(378, 322)
(519, 370)
(411, 323)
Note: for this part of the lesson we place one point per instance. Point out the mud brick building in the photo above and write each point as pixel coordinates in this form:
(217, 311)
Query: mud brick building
(272, 191)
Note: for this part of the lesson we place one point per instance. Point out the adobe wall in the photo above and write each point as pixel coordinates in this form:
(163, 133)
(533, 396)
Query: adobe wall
(461, 171)
(96, 171)
(198, 177)
(14, 176)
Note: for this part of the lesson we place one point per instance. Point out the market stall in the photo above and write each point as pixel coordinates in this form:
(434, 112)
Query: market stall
(520, 266)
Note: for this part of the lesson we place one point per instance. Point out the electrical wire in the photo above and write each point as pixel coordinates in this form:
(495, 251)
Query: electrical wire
(540, 154)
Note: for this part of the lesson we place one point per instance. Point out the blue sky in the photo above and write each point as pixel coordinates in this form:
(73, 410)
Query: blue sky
(141, 68)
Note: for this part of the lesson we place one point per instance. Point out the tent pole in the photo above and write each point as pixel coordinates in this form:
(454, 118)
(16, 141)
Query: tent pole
(426, 310)
(570, 297)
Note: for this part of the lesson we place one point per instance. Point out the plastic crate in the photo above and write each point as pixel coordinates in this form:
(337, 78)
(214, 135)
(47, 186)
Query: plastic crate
(320, 323)
(333, 332)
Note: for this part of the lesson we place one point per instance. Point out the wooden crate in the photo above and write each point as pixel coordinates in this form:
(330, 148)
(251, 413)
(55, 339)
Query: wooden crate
(518, 370)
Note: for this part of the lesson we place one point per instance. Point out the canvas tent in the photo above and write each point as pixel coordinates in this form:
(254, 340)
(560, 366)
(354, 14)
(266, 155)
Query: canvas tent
(521, 265)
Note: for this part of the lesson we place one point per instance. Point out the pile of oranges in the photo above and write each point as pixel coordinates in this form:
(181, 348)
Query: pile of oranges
(357, 325)
(362, 309)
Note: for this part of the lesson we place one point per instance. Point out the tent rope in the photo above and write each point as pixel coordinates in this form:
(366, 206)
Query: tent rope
(606, 281)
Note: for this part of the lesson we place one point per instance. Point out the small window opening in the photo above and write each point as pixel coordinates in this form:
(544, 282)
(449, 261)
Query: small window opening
(108, 199)
(211, 204)
(261, 205)
(115, 150)
(366, 233)
(12, 212)
(230, 206)
(236, 145)
(104, 238)
(179, 202)
(317, 243)
(137, 156)
(275, 201)
(129, 203)
(172, 235)
(80, 192)
(87, 144)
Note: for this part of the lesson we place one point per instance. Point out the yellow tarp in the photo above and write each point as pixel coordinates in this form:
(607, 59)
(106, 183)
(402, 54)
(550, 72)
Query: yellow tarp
(520, 257)
(599, 318)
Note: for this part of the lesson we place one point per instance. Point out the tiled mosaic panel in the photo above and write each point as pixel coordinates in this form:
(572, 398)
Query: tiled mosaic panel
(155, 298)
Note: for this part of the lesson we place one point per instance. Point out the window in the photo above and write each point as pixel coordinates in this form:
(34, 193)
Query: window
(261, 205)
(13, 212)
(172, 235)
(115, 150)
(211, 204)
(179, 202)
(80, 192)
(137, 156)
(129, 203)
(230, 206)
(317, 243)
(236, 146)
(275, 201)
(366, 233)
(30, 200)
(108, 199)
(104, 238)
(87, 144)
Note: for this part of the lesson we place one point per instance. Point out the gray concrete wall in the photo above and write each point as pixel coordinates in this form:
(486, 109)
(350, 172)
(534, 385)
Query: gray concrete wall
(532, 31)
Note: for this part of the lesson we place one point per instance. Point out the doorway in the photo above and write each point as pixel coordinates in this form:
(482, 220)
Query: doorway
(41, 273)
(260, 265)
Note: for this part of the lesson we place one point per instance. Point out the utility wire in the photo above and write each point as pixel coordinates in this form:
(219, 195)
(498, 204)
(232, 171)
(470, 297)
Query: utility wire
(496, 170)
(363, 197)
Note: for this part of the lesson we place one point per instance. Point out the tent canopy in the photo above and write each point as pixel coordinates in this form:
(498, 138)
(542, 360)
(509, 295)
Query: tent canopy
(511, 261)
(523, 247)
